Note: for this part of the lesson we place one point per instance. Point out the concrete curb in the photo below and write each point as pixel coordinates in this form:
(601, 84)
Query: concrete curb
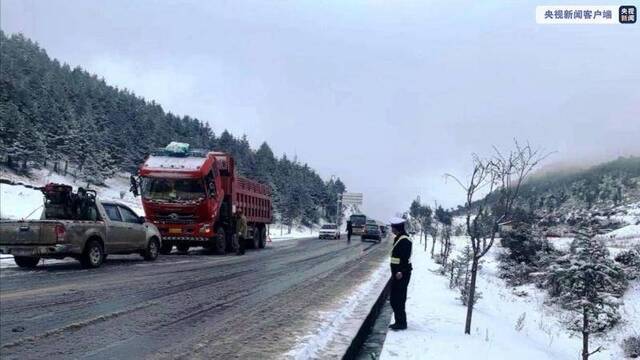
(367, 324)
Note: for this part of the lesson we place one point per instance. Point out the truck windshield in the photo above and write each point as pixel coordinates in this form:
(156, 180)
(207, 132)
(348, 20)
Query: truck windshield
(172, 189)
(358, 220)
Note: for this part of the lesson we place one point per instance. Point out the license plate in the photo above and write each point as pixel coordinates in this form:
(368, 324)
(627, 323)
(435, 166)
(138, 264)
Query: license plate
(175, 231)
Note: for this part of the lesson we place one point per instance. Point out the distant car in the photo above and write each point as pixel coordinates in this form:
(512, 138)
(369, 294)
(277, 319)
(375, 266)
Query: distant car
(371, 231)
(329, 231)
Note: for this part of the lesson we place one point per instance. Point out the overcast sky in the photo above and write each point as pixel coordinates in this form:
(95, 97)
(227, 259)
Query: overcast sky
(388, 95)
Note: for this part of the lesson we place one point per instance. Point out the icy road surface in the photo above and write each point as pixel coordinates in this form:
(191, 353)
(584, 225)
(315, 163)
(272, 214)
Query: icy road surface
(192, 306)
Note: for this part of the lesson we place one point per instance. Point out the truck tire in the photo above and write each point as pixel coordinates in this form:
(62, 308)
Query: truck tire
(255, 240)
(220, 241)
(26, 261)
(183, 248)
(153, 248)
(93, 254)
(166, 248)
(263, 236)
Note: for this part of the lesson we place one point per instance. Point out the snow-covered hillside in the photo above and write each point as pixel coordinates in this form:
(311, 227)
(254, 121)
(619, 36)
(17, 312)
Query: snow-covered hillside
(436, 320)
(18, 202)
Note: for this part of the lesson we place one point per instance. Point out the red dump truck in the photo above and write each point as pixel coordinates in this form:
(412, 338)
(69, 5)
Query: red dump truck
(191, 196)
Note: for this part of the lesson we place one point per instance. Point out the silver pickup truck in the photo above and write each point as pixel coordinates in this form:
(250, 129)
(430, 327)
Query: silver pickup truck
(81, 226)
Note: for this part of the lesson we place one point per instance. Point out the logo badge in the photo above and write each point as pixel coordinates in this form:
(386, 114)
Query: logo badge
(627, 14)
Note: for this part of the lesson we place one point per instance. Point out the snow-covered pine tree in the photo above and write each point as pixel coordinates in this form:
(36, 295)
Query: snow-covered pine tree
(589, 284)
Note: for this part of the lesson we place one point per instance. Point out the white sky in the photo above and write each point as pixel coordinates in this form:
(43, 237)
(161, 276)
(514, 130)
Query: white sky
(387, 95)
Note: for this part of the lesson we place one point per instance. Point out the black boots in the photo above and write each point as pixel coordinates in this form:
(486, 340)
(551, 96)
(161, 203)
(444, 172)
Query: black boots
(396, 327)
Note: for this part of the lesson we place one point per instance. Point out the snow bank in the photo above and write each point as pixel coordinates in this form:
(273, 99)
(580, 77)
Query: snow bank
(436, 321)
(627, 232)
(20, 202)
(278, 232)
(334, 322)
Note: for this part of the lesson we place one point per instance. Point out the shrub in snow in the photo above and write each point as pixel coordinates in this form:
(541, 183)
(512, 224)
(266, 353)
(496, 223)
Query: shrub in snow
(630, 261)
(520, 322)
(524, 243)
(514, 273)
(460, 276)
(526, 252)
(464, 294)
(631, 347)
(459, 268)
(438, 259)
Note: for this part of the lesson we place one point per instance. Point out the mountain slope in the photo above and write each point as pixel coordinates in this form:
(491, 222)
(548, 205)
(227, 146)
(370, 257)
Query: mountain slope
(73, 122)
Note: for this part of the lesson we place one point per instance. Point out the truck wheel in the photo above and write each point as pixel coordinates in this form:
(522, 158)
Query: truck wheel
(183, 248)
(166, 248)
(153, 248)
(26, 261)
(93, 255)
(263, 237)
(219, 241)
(255, 240)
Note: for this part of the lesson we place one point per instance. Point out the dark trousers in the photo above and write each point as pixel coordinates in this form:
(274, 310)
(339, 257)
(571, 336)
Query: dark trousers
(240, 245)
(398, 297)
(349, 236)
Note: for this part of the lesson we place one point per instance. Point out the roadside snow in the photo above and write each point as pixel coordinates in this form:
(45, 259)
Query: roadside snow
(278, 232)
(436, 321)
(334, 322)
(19, 202)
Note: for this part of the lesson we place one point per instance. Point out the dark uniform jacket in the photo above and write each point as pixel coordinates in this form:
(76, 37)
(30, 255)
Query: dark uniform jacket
(401, 254)
(241, 226)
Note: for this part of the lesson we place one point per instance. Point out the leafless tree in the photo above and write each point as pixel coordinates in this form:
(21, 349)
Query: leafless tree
(434, 230)
(445, 245)
(501, 177)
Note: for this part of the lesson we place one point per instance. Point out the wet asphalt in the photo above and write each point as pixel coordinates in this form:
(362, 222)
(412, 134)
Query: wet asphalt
(193, 306)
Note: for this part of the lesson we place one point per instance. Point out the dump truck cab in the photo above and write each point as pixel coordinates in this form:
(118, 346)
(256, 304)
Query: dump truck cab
(189, 196)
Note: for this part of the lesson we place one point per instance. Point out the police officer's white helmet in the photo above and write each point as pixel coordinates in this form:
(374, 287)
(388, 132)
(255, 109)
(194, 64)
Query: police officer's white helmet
(397, 220)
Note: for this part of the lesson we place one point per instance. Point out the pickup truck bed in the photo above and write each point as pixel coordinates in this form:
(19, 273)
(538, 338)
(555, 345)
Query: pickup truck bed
(95, 230)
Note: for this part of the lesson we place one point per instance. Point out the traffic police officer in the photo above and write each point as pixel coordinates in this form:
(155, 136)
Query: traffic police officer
(400, 272)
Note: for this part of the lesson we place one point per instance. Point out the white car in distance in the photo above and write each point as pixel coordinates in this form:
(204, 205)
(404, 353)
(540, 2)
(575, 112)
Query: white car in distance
(329, 231)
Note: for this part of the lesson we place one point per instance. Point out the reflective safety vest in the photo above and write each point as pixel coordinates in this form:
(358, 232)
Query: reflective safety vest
(396, 260)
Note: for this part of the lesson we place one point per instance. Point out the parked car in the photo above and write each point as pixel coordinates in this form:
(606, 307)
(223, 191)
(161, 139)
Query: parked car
(329, 231)
(80, 226)
(372, 231)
